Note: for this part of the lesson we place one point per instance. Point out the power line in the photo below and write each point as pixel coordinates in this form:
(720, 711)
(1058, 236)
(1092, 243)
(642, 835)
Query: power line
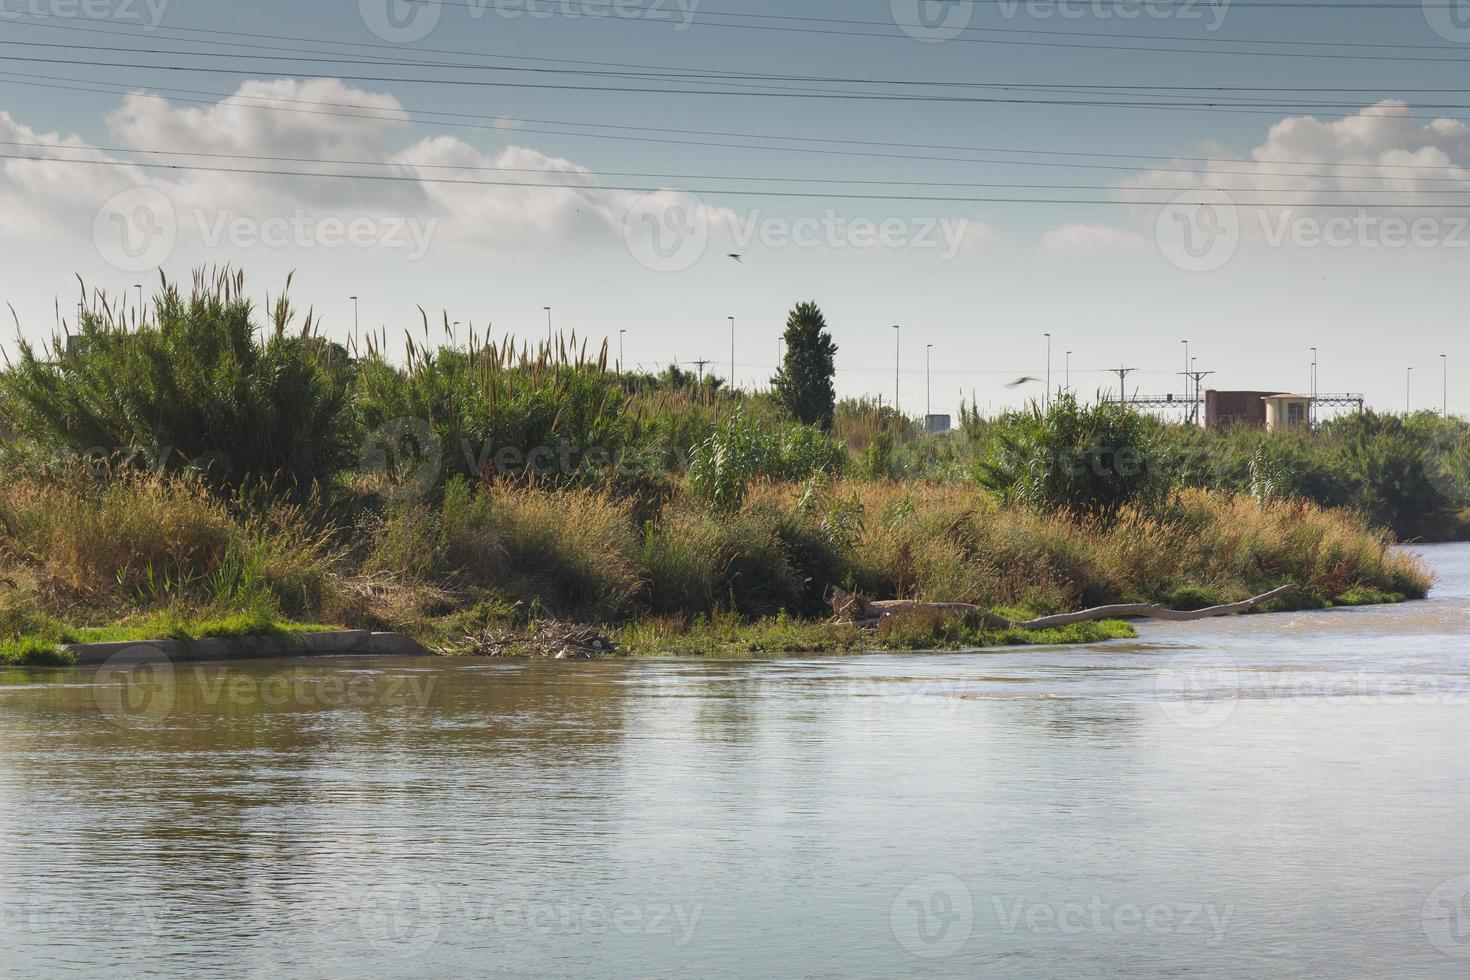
(398, 115)
(955, 199)
(398, 48)
(1258, 107)
(588, 174)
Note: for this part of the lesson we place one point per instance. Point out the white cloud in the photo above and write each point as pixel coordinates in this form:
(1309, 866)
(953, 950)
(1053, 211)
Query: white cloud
(1353, 158)
(1092, 239)
(468, 194)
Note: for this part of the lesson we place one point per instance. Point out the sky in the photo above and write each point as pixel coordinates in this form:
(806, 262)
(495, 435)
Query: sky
(1254, 178)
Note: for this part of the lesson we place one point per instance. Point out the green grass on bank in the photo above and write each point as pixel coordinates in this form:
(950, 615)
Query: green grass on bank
(36, 640)
(728, 636)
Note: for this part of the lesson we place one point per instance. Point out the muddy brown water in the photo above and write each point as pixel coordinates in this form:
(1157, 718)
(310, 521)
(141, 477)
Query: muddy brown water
(1284, 795)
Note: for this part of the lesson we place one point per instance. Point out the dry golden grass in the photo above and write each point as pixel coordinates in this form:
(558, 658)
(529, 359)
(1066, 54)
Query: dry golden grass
(98, 551)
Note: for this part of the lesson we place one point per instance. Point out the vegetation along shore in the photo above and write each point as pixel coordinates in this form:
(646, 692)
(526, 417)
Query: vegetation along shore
(215, 470)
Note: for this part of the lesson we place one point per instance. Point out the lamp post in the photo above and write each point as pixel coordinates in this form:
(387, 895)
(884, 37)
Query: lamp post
(1046, 401)
(1408, 377)
(896, 335)
(928, 386)
(1444, 364)
(548, 328)
(1186, 369)
(1312, 391)
(139, 287)
(620, 349)
(1068, 371)
(354, 320)
(732, 352)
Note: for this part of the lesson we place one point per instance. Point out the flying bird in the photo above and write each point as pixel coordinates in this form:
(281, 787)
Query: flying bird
(737, 257)
(1022, 380)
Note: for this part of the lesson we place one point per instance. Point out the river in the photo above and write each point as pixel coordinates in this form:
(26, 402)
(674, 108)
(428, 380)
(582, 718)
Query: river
(1283, 794)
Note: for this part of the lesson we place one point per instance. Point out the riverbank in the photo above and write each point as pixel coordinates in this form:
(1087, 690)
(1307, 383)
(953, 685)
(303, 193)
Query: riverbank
(142, 556)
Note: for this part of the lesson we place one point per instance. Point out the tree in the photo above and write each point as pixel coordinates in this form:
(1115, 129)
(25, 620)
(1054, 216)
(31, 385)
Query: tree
(804, 382)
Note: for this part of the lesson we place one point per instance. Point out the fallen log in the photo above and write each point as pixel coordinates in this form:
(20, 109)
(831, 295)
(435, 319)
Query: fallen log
(870, 612)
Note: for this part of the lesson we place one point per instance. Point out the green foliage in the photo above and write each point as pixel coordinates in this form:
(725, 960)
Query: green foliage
(1090, 460)
(197, 388)
(490, 411)
(739, 451)
(804, 382)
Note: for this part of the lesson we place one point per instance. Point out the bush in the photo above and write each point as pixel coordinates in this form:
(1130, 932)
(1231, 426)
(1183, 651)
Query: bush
(1090, 460)
(195, 389)
(491, 411)
(739, 451)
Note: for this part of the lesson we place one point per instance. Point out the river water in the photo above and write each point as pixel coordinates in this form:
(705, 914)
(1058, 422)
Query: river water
(1284, 794)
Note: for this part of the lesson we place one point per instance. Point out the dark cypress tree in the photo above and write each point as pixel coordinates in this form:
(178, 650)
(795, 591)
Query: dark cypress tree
(804, 382)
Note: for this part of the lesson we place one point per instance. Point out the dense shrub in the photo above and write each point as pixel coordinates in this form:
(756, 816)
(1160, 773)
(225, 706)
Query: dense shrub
(196, 388)
(493, 411)
(1083, 459)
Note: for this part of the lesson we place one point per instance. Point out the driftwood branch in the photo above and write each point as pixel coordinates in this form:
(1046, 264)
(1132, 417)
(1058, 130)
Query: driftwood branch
(870, 612)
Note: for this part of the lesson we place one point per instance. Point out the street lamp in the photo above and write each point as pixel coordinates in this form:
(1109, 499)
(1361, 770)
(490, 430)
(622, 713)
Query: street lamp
(732, 352)
(1186, 369)
(548, 328)
(1408, 376)
(896, 334)
(354, 320)
(1444, 363)
(1068, 375)
(139, 287)
(1046, 399)
(1312, 391)
(620, 349)
(928, 361)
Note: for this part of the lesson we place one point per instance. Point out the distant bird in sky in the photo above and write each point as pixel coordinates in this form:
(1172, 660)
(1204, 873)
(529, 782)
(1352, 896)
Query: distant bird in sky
(1022, 380)
(737, 257)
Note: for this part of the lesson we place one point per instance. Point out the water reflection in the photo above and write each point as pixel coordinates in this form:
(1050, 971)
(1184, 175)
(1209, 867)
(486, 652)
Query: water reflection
(1218, 798)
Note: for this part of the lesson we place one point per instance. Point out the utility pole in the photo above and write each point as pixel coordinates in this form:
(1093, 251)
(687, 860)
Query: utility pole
(620, 349)
(1408, 377)
(1069, 371)
(701, 364)
(1197, 377)
(896, 335)
(1193, 402)
(732, 352)
(1046, 402)
(1122, 373)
